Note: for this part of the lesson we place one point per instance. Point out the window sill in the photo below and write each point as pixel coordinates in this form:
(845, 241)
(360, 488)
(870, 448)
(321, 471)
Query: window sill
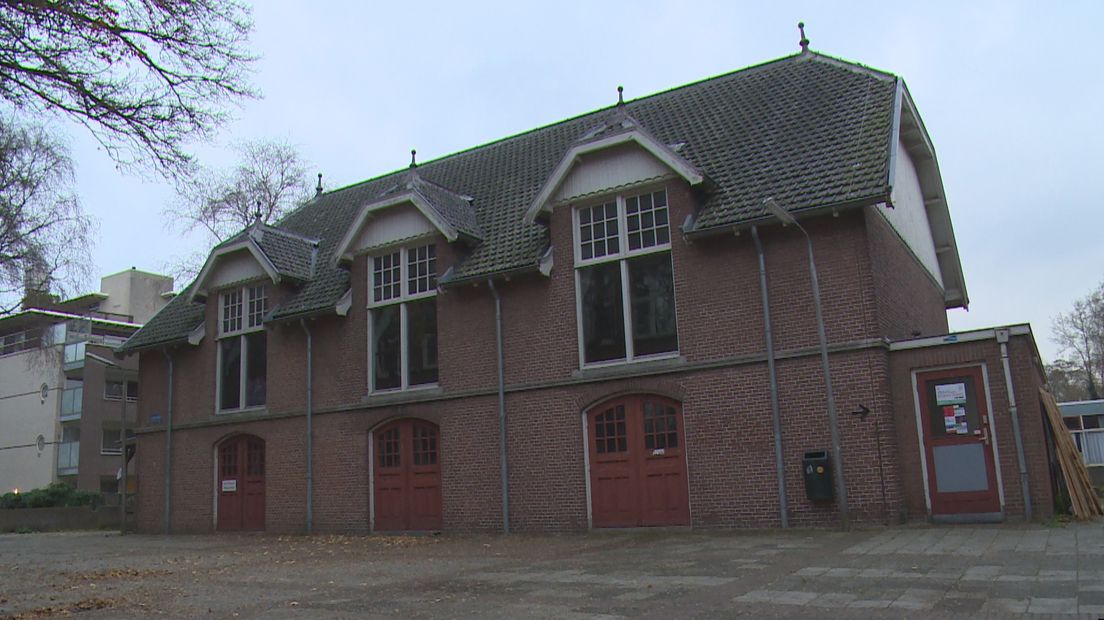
(402, 396)
(628, 369)
(230, 412)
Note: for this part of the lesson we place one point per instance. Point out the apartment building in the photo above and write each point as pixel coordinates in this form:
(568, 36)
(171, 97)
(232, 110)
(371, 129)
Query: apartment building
(64, 396)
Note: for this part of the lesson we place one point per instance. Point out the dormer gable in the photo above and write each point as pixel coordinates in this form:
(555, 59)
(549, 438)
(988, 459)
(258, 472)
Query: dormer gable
(413, 208)
(258, 252)
(617, 153)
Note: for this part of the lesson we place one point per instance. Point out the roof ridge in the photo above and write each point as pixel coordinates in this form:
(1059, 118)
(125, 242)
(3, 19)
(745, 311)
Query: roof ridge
(287, 233)
(420, 179)
(851, 65)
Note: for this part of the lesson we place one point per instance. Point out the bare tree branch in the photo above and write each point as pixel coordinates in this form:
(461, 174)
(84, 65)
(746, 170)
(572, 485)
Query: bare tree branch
(144, 76)
(45, 237)
(270, 178)
(1080, 334)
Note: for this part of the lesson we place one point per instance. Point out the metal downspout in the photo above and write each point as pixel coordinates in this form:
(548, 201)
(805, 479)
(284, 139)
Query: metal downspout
(1021, 459)
(310, 428)
(168, 446)
(503, 467)
(776, 416)
(123, 471)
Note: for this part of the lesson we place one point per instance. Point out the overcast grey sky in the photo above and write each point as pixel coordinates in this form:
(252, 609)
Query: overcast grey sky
(1010, 93)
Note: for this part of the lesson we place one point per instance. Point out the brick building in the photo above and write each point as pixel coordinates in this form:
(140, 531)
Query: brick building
(568, 328)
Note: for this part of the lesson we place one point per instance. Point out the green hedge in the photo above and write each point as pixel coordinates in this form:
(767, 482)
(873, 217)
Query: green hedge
(56, 494)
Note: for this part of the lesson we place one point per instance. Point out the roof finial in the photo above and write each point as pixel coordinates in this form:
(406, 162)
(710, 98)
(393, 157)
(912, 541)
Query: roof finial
(804, 42)
(620, 95)
(257, 213)
(318, 189)
(413, 158)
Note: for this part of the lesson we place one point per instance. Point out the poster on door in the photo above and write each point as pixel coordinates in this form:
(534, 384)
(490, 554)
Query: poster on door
(954, 420)
(951, 399)
(950, 394)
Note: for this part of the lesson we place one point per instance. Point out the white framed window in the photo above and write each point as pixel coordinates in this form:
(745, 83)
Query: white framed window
(242, 348)
(402, 319)
(624, 283)
(113, 390)
(111, 441)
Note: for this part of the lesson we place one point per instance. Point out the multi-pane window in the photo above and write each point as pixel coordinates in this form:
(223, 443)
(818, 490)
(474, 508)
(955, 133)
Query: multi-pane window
(386, 277)
(403, 319)
(243, 350)
(609, 431)
(598, 231)
(421, 269)
(231, 311)
(388, 448)
(254, 458)
(425, 445)
(625, 284)
(111, 441)
(660, 426)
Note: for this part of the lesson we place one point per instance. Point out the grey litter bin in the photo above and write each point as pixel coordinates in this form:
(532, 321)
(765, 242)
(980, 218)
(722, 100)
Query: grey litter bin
(818, 476)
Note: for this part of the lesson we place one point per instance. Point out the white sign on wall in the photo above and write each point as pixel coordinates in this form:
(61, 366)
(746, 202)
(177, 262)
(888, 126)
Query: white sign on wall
(229, 486)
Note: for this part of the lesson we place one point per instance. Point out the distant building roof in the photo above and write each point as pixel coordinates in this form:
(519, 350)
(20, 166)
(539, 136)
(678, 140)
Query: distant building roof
(1081, 407)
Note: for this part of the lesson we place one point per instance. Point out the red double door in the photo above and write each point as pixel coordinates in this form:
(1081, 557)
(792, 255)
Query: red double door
(407, 476)
(957, 428)
(637, 463)
(241, 480)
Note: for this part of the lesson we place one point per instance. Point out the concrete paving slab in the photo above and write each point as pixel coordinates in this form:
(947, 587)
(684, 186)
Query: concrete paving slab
(1043, 605)
(883, 573)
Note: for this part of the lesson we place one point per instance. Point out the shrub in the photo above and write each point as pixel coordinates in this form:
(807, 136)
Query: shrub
(55, 494)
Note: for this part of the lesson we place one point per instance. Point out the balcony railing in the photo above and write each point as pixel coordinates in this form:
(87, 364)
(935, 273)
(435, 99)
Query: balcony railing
(71, 400)
(74, 356)
(68, 458)
(1091, 444)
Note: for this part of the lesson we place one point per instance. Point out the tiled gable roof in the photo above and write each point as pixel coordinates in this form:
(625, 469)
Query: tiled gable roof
(294, 256)
(808, 130)
(456, 210)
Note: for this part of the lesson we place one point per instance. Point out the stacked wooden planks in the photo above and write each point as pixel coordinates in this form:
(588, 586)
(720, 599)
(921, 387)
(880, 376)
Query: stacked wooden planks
(1083, 498)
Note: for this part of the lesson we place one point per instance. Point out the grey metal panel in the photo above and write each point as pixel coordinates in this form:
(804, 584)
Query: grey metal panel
(960, 468)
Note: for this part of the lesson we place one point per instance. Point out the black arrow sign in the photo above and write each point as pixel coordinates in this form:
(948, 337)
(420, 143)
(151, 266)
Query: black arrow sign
(862, 412)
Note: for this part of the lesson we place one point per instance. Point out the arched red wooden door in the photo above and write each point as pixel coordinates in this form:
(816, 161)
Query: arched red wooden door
(407, 476)
(637, 463)
(241, 480)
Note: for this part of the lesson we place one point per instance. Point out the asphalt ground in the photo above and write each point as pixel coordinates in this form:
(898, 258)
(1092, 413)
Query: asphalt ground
(954, 571)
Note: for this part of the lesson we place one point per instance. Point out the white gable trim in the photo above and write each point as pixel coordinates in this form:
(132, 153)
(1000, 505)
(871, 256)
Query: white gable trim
(196, 335)
(200, 289)
(342, 306)
(344, 250)
(672, 160)
(914, 137)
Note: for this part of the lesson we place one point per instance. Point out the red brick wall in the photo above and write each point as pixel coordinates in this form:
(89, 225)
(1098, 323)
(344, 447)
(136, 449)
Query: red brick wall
(722, 383)
(1026, 378)
(910, 302)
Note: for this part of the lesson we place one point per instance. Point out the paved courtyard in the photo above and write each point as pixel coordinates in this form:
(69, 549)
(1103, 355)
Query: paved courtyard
(997, 571)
